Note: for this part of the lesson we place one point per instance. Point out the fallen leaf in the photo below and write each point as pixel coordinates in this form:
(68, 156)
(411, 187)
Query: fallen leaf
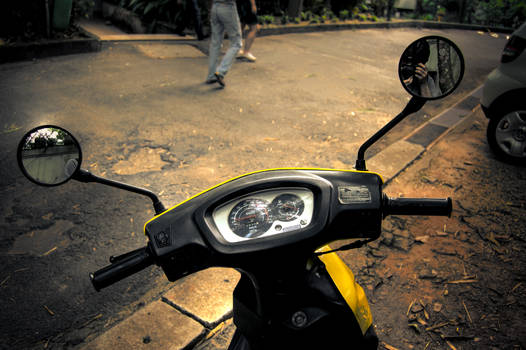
(422, 239)
(49, 251)
(415, 327)
(437, 307)
(49, 311)
(389, 347)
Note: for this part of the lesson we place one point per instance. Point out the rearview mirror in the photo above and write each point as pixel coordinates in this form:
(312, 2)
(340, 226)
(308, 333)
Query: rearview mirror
(49, 155)
(431, 67)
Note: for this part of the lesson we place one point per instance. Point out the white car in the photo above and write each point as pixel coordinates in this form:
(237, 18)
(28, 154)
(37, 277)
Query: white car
(504, 101)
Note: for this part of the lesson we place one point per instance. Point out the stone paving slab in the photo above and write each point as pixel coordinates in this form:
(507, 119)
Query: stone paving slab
(156, 326)
(208, 305)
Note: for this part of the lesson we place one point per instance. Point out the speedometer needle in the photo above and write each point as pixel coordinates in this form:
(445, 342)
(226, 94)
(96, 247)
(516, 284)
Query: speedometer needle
(246, 217)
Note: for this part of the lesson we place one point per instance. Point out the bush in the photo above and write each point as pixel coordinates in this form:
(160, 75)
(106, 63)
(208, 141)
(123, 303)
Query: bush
(82, 9)
(344, 15)
(266, 19)
(306, 16)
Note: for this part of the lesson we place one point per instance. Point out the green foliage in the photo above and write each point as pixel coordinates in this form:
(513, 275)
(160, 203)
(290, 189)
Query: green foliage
(315, 19)
(499, 12)
(82, 8)
(344, 15)
(285, 19)
(306, 16)
(266, 19)
(427, 17)
(315, 6)
(327, 13)
(297, 20)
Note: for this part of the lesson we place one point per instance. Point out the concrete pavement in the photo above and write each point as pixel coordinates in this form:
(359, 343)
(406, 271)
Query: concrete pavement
(193, 309)
(200, 317)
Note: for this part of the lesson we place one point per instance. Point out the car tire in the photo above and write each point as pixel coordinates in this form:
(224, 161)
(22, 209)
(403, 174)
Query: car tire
(506, 134)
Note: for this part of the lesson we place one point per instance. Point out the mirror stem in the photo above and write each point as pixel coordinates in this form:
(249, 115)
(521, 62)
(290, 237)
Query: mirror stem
(86, 176)
(414, 105)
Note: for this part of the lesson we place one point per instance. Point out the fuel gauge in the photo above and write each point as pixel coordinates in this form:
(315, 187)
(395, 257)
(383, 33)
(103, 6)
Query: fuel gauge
(287, 207)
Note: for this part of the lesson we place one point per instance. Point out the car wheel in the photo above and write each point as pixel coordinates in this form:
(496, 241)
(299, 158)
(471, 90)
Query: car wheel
(507, 135)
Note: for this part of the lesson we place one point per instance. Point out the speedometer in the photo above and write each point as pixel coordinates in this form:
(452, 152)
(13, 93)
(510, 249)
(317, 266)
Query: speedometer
(250, 218)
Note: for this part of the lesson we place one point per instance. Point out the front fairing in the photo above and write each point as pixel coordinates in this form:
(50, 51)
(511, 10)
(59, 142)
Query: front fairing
(346, 204)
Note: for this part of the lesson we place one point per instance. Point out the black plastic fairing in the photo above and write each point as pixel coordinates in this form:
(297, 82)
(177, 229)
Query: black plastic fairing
(346, 205)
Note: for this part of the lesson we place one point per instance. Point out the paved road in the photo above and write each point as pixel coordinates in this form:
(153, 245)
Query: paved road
(310, 100)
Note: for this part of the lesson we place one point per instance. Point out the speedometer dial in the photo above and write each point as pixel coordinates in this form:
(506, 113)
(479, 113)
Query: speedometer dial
(287, 207)
(250, 218)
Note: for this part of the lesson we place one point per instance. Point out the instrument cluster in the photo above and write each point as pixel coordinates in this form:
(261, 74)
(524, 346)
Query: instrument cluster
(265, 213)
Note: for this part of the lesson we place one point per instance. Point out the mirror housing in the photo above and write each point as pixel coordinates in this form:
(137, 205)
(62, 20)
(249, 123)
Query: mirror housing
(49, 155)
(431, 67)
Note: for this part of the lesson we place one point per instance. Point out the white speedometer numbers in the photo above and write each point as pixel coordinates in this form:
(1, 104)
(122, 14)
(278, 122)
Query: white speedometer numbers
(264, 214)
(250, 218)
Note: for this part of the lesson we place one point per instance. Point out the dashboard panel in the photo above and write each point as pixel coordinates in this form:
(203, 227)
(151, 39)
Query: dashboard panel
(264, 213)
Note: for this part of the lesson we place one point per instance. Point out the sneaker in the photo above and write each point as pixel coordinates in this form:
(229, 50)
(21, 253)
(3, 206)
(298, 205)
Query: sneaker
(220, 79)
(240, 53)
(249, 56)
(211, 80)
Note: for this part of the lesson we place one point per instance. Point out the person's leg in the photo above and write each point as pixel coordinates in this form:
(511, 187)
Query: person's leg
(216, 39)
(250, 37)
(196, 13)
(230, 19)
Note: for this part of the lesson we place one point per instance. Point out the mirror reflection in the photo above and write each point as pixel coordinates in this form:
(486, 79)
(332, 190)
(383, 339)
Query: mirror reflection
(431, 67)
(49, 155)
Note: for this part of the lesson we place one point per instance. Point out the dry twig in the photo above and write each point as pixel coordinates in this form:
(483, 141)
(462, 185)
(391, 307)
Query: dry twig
(467, 312)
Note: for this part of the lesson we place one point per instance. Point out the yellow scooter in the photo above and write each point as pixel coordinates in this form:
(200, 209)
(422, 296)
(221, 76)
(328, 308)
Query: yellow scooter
(274, 226)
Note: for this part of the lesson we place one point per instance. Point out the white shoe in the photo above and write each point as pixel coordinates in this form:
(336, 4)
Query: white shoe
(249, 57)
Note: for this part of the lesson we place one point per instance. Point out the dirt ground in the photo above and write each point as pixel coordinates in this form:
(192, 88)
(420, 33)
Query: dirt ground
(458, 283)
(447, 283)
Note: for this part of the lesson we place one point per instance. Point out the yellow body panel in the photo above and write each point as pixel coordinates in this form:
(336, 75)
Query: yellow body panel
(254, 172)
(351, 291)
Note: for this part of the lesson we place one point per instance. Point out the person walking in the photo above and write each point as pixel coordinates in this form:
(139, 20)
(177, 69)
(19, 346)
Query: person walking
(248, 16)
(223, 18)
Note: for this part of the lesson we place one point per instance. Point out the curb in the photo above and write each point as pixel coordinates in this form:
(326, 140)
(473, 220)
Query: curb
(97, 42)
(392, 160)
(27, 52)
(291, 29)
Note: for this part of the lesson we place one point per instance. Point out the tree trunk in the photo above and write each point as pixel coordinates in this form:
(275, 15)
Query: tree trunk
(295, 7)
(390, 4)
(445, 69)
(419, 9)
(461, 11)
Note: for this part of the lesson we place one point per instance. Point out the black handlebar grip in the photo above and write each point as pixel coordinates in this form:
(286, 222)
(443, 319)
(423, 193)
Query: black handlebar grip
(129, 264)
(418, 206)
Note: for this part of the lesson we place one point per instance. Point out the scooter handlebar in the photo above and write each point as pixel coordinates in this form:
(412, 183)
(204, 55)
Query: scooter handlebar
(418, 206)
(122, 267)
